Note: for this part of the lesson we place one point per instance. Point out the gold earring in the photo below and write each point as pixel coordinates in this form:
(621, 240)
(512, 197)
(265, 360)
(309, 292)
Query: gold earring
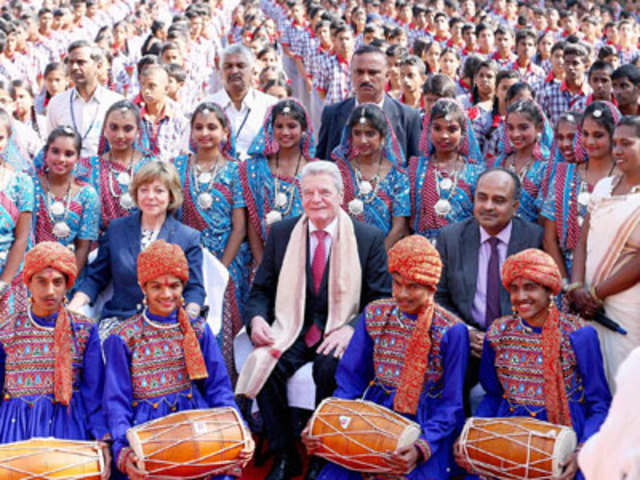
(514, 311)
(551, 302)
(144, 300)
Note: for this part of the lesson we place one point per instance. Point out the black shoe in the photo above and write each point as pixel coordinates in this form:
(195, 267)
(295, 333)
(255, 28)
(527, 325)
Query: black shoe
(315, 467)
(284, 468)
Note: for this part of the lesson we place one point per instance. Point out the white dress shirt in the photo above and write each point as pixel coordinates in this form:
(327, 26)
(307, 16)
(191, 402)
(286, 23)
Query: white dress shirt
(247, 121)
(70, 109)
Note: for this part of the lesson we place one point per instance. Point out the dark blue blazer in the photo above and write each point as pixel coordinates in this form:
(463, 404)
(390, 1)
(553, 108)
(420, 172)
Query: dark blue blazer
(405, 121)
(119, 247)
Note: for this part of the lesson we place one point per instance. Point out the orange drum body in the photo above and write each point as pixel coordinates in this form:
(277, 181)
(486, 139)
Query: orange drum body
(360, 435)
(51, 459)
(516, 447)
(191, 444)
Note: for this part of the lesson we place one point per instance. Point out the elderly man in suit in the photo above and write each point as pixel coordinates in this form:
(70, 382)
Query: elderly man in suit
(473, 252)
(317, 274)
(369, 73)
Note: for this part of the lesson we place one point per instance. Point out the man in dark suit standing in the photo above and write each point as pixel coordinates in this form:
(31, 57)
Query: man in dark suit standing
(369, 74)
(317, 274)
(473, 252)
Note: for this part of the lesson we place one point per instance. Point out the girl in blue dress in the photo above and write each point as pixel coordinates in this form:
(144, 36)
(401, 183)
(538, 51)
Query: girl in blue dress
(523, 155)
(50, 362)
(443, 178)
(120, 156)
(376, 186)
(159, 361)
(270, 177)
(16, 207)
(67, 209)
(214, 205)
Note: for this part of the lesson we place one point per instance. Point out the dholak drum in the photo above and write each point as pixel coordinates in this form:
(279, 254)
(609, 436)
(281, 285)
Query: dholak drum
(360, 435)
(51, 458)
(191, 443)
(516, 447)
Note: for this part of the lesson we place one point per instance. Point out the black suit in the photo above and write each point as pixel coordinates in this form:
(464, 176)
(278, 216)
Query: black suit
(376, 283)
(405, 121)
(458, 245)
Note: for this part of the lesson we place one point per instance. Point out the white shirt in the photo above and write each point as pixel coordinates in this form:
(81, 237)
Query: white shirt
(69, 108)
(247, 121)
(328, 240)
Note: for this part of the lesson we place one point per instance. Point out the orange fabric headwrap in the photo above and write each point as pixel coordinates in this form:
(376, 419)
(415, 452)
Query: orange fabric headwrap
(415, 258)
(539, 267)
(534, 265)
(60, 258)
(162, 258)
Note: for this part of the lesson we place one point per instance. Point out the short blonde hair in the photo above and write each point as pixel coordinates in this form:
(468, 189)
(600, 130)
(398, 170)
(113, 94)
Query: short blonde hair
(167, 174)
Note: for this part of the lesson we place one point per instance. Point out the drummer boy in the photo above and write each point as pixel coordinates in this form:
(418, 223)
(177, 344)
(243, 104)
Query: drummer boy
(409, 355)
(540, 362)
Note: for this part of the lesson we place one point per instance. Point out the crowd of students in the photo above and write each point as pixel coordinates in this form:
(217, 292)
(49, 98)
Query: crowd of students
(488, 128)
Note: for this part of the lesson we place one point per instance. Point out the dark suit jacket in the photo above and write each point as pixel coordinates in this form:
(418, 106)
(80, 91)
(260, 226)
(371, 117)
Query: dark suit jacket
(405, 121)
(117, 258)
(458, 245)
(376, 281)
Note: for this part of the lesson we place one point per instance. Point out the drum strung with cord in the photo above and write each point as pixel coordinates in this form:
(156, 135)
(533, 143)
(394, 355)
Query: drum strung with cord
(51, 459)
(191, 443)
(515, 447)
(360, 435)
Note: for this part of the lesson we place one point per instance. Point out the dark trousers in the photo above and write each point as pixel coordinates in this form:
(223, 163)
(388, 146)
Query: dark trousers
(272, 399)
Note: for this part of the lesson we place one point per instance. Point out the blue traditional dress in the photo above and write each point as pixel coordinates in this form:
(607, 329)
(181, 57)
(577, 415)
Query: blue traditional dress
(16, 197)
(27, 363)
(81, 215)
(146, 375)
(387, 198)
(214, 219)
(532, 182)
(270, 198)
(511, 373)
(566, 205)
(426, 182)
(111, 182)
(370, 369)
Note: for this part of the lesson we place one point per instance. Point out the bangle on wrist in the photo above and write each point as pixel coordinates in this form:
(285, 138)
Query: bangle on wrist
(572, 286)
(594, 295)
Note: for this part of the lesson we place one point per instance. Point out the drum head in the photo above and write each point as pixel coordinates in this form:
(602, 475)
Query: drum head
(565, 445)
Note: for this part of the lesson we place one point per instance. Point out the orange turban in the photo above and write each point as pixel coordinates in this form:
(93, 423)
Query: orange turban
(162, 258)
(50, 254)
(534, 265)
(414, 257)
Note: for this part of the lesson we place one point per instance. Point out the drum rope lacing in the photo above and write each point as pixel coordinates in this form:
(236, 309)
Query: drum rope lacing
(51, 474)
(333, 454)
(505, 471)
(218, 467)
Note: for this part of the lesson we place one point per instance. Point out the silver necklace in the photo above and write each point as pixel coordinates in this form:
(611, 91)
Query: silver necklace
(447, 184)
(366, 192)
(282, 196)
(122, 179)
(57, 209)
(200, 177)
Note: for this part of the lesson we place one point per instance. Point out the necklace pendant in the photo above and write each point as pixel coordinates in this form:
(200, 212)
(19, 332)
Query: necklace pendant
(446, 184)
(61, 230)
(583, 198)
(57, 208)
(365, 187)
(356, 207)
(204, 177)
(442, 207)
(281, 199)
(126, 201)
(272, 217)
(123, 178)
(205, 200)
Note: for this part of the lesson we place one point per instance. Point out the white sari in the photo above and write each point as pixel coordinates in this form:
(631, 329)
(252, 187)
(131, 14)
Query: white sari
(614, 219)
